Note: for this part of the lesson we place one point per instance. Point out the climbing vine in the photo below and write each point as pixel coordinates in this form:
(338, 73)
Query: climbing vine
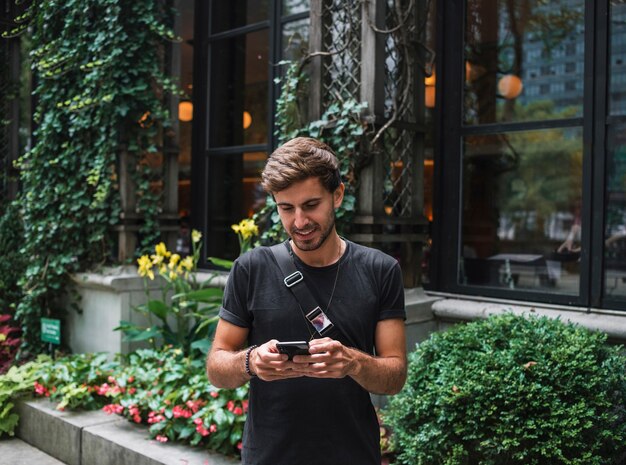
(341, 127)
(99, 90)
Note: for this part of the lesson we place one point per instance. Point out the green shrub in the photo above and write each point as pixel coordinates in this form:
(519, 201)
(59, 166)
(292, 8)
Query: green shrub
(512, 390)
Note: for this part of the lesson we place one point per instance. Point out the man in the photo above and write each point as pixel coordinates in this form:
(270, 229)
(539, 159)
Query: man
(314, 409)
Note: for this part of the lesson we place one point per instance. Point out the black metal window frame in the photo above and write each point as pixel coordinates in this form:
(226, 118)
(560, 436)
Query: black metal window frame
(202, 151)
(450, 131)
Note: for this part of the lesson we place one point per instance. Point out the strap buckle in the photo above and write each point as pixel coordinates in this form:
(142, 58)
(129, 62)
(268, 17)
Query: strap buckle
(293, 279)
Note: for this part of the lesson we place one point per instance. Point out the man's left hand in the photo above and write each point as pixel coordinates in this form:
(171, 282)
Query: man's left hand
(329, 359)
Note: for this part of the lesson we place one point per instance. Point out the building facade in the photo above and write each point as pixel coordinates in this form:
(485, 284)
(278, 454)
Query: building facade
(493, 163)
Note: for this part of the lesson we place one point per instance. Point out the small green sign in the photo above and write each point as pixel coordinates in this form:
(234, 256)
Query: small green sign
(51, 331)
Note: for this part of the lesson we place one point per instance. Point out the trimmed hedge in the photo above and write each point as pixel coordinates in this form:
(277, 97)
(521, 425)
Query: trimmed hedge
(512, 390)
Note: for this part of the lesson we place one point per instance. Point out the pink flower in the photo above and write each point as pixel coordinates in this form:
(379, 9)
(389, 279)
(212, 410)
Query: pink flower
(214, 394)
(132, 390)
(113, 408)
(230, 405)
(102, 389)
(155, 417)
(238, 411)
(244, 403)
(161, 438)
(131, 379)
(240, 445)
(202, 430)
(41, 389)
(213, 428)
(111, 379)
(137, 419)
(178, 411)
(198, 421)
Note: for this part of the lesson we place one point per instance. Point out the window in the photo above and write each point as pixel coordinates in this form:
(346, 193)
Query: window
(533, 199)
(516, 192)
(242, 41)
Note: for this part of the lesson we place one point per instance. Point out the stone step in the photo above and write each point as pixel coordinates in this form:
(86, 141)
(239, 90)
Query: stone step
(95, 438)
(14, 451)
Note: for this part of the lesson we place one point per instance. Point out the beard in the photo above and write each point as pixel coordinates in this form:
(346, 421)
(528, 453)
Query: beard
(313, 244)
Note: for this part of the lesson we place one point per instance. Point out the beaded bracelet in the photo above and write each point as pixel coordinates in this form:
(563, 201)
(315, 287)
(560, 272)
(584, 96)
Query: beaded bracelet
(247, 362)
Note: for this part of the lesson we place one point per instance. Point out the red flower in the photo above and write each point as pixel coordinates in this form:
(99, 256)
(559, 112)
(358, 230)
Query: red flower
(240, 445)
(238, 411)
(161, 438)
(230, 405)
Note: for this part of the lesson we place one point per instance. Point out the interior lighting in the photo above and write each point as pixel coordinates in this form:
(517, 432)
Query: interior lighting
(510, 86)
(185, 111)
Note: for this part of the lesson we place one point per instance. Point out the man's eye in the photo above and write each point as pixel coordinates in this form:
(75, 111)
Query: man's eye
(310, 206)
(285, 209)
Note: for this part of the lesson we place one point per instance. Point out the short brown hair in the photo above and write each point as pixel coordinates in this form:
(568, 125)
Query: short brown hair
(299, 159)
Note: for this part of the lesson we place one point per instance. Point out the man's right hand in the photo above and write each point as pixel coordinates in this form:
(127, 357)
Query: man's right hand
(270, 365)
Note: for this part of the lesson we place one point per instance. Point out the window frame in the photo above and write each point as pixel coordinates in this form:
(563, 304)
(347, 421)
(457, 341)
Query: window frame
(202, 151)
(450, 131)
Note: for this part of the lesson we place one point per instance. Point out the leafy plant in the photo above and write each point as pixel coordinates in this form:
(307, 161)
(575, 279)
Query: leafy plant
(341, 127)
(9, 342)
(512, 390)
(161, 388)
(17, 382)
(99, 91)
(187, 310)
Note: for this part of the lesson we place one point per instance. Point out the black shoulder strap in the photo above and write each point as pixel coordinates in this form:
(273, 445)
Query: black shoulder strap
(294, 280)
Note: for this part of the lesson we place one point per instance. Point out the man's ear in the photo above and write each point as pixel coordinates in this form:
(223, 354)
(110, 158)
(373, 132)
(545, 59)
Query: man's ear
(338, 195)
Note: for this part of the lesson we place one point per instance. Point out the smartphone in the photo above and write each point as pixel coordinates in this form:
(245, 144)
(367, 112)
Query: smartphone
(292, 348)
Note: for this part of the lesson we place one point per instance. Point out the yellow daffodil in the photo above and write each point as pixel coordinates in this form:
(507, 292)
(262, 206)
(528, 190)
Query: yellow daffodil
(157, 259)
(145, 267)
(173, 275)
(246, 228)
(174, 259)
(161, 249)
(196, 236)
(187, 263)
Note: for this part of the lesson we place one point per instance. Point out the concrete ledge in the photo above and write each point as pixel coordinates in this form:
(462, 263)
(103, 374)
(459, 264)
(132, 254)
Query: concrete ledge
(455, 310)
(56, 433)
(16, 452)
(124, 443)
(126, 279)
(95, 438)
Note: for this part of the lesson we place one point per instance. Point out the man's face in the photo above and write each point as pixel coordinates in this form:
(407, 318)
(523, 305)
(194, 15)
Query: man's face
(307, 211)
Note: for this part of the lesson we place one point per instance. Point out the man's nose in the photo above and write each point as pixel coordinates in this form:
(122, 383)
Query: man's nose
(301, 220)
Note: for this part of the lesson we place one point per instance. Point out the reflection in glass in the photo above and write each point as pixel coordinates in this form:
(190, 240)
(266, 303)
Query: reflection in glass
(521, 210)
(231, 14)
(615, 214)
(235, 192)
(291, 7)
(295, 40)
(522, 60)
(617, 44)
(239, 83)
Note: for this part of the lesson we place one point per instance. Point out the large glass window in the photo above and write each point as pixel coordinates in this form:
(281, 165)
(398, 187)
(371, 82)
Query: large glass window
(245, 42)
(521, 186)
(534, 188)
(522, 193)
(615, 184)
(505, 43)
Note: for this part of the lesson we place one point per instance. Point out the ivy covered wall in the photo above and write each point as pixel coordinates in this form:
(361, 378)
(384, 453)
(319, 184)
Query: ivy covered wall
(99, 90)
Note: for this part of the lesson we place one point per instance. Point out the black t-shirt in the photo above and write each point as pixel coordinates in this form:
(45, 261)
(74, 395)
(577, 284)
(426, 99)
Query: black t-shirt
(306, 421)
